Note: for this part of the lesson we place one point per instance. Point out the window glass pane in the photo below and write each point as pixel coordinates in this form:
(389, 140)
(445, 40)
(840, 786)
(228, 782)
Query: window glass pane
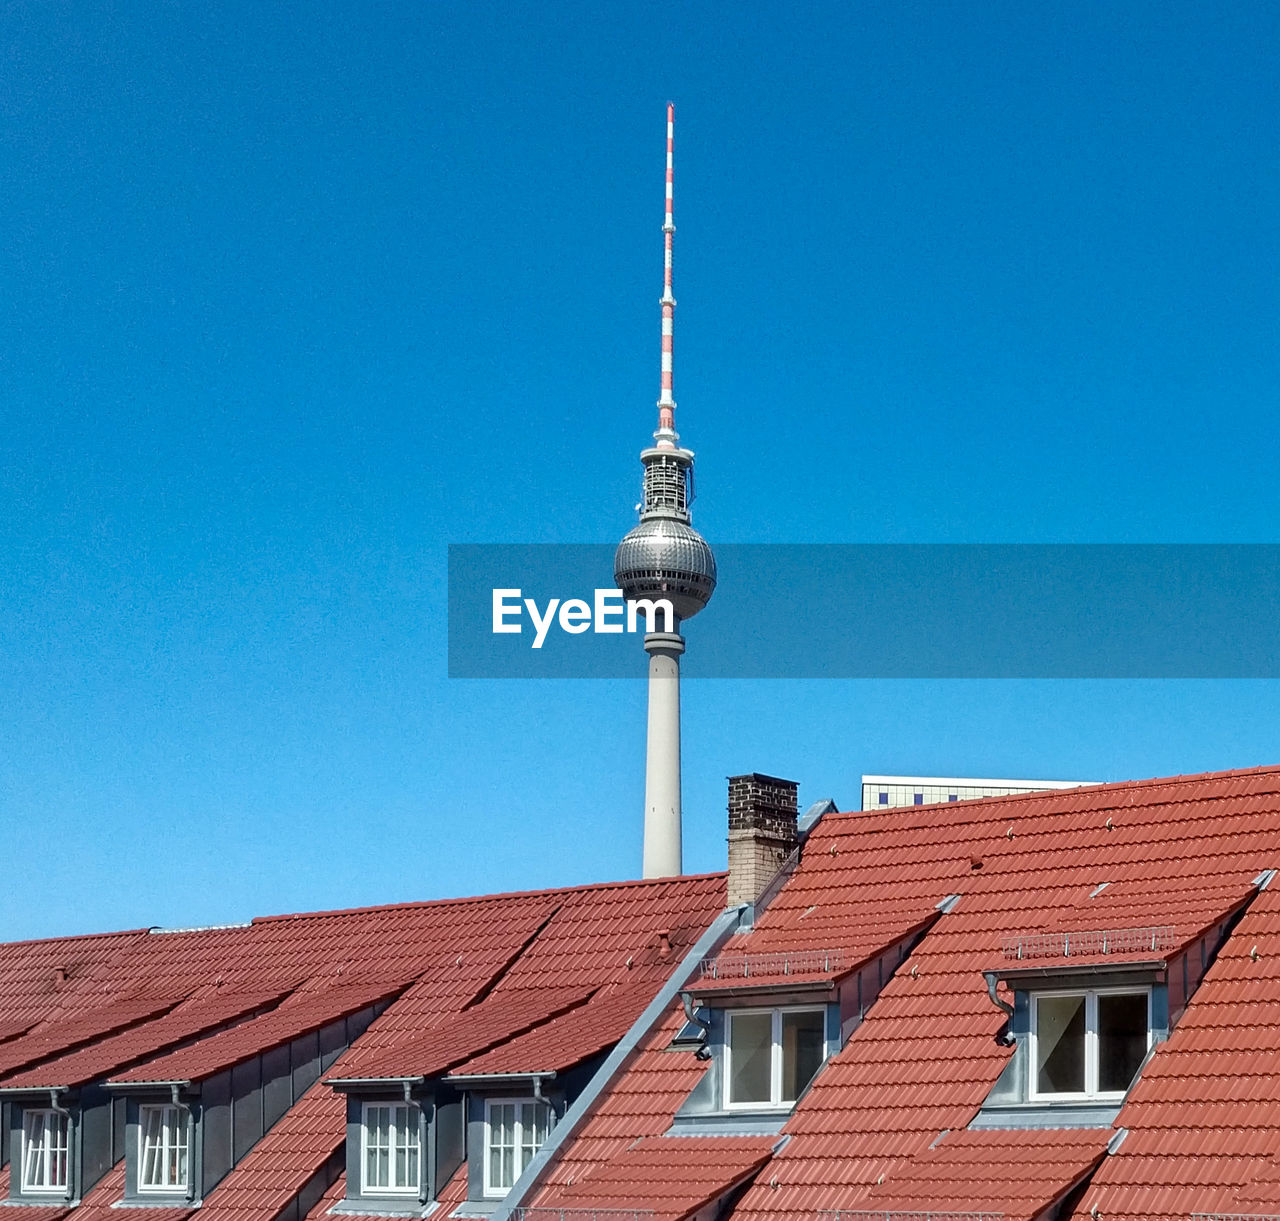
(58, 1131)
(502, 1137)
(152, 1118)
(1060, 1044)
(750, 1057)
(803, 1042)
(164, 1147)
(34, 1137)
(1122, 1039)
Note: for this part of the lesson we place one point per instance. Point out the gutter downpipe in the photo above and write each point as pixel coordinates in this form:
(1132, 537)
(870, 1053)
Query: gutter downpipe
(710, 941)
(72, 1134)
(993, 982)
(702, 1053)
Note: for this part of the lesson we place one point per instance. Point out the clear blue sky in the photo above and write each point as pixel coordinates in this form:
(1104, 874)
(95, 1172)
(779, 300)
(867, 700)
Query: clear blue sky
(297, 294)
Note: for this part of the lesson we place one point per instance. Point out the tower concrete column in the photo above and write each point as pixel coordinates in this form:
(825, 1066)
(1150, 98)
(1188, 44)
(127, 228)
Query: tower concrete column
(662, 832)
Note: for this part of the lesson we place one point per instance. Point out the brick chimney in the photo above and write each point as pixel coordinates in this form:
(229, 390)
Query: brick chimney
(763, 811)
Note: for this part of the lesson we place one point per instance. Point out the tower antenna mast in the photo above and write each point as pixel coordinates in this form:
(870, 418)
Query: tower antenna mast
(666, 434)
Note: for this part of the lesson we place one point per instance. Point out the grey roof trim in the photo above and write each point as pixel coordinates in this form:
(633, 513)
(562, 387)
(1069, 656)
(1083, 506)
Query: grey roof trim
(1070, 966)
(809, 819)
(157, 930)
(1032, 1116)
(345, 1208)
(125, 1086)
(351, 1083)
(818, 991)
(729, 1123)
(722, 927)
(483, 1078)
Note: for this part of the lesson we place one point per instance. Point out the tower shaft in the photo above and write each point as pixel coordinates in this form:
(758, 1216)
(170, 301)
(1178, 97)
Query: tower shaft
(663, 837)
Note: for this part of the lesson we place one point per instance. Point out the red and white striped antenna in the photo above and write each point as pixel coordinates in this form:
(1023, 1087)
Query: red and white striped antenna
(666, 435)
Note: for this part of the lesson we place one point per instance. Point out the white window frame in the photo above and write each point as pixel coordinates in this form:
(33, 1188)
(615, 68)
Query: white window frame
(181, 1133)
(776, 1102)
(491, 1191)
(412, 1125)
(55, 1144)
(1090, 1093)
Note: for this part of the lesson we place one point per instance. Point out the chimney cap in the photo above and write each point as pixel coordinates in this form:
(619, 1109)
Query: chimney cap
(791, 784)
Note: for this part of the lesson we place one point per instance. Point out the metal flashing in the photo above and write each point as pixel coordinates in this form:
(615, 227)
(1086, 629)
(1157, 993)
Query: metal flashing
(498, 1078)
(1235, 1217)
(583, 1214)
(125, 1087)
(1027, 1117)
(809, 819)
(349, 1084)
(157, 931)
(729, 1123)
(346, 1208)
(1067, 969)
(877, 1214)
(719, 931)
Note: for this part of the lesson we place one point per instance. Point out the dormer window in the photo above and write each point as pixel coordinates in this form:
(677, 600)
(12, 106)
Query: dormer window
(391, 1148)
(163, 1149)
(772, 1055)
(1088, 1044)
(515, 1129)
(46, 1148)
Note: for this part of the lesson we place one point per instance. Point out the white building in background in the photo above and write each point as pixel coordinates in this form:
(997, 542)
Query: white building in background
(888, 792)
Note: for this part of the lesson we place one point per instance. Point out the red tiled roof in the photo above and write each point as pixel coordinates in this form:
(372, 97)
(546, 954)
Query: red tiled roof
(455, 1190)
(1181, 852)
(206, 1011)
(673, 1176)
(438, 1048)
(38, 976)
(333, 1194)
(469, 976)
(99, 1204)
(31, 1212)
(306, 1010)
(73, 1028)
(1204, 1119)
(1015, 1174)
(639, 1104)
(568, 1039)
(277, 1168)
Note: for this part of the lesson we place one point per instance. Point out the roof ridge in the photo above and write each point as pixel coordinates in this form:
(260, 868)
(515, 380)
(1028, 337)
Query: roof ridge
(29, 941)
(1116, 786)
(462, 900)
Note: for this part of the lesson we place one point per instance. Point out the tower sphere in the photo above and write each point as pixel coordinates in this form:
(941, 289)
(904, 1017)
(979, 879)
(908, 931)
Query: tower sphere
(664, 558)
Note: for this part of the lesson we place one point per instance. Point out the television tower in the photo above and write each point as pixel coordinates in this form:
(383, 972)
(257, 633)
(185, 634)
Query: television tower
(665, 557)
